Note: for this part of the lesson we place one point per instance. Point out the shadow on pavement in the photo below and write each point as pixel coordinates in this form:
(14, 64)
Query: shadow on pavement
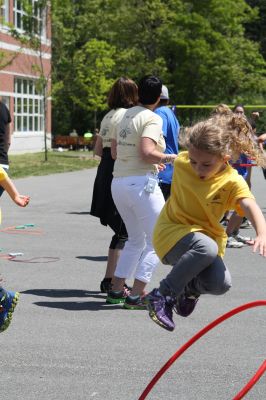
(79, 212)
(91, 258)
(79, 306)
(64, 293)
(72, 305)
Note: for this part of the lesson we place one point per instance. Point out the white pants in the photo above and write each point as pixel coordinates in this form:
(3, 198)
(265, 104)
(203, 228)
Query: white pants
(139, 211)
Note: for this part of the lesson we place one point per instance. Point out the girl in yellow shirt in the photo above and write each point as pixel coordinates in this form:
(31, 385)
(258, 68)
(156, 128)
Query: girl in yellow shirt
(188, 234)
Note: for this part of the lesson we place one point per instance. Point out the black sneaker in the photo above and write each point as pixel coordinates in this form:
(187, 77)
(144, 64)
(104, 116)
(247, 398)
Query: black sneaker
(117, 296)
(106, 285)
(185, 304)
(134, 303)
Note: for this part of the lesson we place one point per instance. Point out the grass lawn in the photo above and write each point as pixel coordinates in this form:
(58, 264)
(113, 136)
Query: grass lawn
(33, 164)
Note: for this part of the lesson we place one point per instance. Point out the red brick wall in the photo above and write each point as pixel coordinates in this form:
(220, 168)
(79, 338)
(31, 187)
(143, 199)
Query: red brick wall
(22, 64)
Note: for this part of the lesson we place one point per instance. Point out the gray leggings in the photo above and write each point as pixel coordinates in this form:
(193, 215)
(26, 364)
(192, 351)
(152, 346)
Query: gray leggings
(196, 267)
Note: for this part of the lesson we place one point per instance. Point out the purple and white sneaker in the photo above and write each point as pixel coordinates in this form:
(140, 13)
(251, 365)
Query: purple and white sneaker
(160, 309)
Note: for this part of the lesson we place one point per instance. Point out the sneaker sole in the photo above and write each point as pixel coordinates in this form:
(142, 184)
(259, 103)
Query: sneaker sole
(110, 300)
(235, 246)
(134, 307)
(10, 313)
(155, 319)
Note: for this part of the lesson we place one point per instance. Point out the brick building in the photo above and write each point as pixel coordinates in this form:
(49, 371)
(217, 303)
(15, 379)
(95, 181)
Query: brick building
(19, 79)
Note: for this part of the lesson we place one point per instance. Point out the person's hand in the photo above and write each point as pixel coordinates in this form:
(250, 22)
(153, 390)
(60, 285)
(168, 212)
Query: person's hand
(160, 167)
(21, 200)
(168, 159)
(260, 245)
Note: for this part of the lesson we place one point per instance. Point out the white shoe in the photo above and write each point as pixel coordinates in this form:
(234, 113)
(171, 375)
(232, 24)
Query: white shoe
(243, 239)
(233, 243)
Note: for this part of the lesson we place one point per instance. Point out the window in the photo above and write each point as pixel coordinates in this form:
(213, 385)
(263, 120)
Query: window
(29, 110)
(4, 11)
(35, 24)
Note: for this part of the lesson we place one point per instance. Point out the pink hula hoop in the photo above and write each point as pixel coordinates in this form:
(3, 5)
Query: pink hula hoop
(196, 337)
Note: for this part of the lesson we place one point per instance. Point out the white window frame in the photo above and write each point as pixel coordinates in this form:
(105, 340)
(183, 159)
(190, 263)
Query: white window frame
(5, 12)
(28, 107)
(19, 13)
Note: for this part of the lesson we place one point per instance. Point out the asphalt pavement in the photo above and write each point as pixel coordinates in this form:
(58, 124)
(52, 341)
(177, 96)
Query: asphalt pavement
(66, 343)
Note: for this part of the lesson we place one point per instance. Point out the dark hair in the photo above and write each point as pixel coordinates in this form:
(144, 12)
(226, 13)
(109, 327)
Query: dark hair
(163, 102)
(150, 88)
(238, 105)
(252, 123)
(124, 93)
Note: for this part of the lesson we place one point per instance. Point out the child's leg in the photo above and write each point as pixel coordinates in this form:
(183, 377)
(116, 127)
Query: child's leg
(189, 257)
(234, 224)
(215, 279)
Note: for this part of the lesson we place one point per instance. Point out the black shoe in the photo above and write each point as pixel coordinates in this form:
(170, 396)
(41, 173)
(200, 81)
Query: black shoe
(117, 296)
(185, 305)
(106, 285)
(134, 303)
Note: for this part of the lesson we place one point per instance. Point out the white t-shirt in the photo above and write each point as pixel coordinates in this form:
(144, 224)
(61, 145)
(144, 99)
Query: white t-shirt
(112, 117)
(137, 122)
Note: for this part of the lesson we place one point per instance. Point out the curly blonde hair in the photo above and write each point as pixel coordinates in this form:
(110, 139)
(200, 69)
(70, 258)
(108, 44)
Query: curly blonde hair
(224, 133)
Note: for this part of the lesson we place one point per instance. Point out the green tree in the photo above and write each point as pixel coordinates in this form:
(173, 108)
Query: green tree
(199, 48)
(256, 31)
(93, 63)
(211, 60)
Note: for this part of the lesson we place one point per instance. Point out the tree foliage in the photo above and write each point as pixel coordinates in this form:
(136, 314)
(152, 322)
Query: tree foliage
(206, 51)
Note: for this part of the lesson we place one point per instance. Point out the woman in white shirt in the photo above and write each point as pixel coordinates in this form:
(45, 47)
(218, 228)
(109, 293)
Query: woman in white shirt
(138, 146)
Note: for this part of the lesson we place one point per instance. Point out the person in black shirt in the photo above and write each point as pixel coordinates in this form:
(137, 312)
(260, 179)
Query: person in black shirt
(5, 137)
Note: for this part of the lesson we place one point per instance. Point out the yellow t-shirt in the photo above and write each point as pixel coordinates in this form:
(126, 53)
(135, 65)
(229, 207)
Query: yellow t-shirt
(198, 205)
(3, 176)
(112, 117)
(136, 123)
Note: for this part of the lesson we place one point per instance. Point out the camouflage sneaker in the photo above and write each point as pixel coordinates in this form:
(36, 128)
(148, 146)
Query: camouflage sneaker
(8, 303)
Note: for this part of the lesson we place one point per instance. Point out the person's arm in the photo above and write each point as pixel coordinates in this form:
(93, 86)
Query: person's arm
(151, 155)
(248, 177)
(10, 188)
(261, 139)
(98, 148)
(7, 137)
(256, 217)
(113, 149)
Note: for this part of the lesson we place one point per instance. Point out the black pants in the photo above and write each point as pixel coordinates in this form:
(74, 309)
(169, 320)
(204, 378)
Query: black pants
(166, 189)
(120, 237)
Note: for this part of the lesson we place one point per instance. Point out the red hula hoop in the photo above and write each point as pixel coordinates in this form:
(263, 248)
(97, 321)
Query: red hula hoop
(252, 382)
(243, 165)
(196, 337)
